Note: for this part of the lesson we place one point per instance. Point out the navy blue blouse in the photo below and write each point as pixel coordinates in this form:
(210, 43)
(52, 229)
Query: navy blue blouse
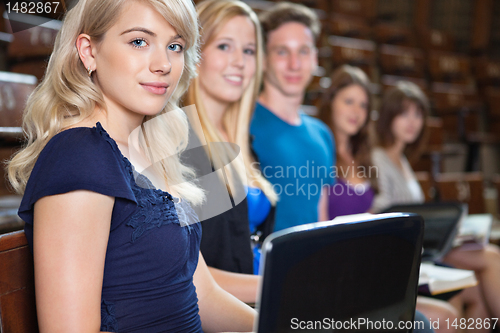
(151, 255)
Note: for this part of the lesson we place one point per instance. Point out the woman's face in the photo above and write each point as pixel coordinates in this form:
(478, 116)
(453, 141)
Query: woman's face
(228, 63)
(349, 110)
(139, 61)
(407, 126)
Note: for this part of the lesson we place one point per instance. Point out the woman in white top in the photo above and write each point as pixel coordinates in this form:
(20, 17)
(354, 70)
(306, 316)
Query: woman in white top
(401, 132)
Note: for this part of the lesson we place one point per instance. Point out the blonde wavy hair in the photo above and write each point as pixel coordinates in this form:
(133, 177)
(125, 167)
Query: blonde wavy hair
(213, 15)
(66, 96)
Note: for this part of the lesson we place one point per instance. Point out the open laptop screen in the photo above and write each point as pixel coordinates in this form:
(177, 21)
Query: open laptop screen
(327, 273)
(441, 225)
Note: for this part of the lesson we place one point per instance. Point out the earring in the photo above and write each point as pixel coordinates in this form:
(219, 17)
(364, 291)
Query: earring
(89, 71)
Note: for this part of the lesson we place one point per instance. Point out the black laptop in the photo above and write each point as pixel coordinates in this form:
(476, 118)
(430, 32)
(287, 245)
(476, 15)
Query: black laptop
(348, 277)
(442, 221)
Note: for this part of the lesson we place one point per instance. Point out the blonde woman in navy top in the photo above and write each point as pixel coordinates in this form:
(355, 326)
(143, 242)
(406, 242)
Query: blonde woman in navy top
(116, 250)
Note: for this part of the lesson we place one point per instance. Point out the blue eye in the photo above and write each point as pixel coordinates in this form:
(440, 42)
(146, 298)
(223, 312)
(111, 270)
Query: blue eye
(176, 48)
(223, 47)
(305, 51)
(282, 52)
(249, 51)
(138, 43)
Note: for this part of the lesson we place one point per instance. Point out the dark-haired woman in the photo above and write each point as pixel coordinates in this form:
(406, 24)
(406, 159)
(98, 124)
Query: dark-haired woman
(401, 133)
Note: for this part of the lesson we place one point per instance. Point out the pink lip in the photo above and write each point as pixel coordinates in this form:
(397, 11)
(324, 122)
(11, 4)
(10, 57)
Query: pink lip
(234, 83)
(158, 88)
(293, 79)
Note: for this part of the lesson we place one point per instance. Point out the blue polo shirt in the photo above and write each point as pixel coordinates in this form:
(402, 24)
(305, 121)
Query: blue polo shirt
(297, 160)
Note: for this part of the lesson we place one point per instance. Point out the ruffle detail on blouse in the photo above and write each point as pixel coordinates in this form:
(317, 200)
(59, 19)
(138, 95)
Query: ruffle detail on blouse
(108, 320)
(155, 207)
(155, 210)
(106, 136)
(187, 215)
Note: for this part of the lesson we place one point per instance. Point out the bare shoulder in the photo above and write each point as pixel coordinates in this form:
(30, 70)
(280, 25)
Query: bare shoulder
(74, 207)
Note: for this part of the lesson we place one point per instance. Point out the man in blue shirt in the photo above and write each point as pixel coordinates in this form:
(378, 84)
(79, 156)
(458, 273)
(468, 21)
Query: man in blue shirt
(295, 151)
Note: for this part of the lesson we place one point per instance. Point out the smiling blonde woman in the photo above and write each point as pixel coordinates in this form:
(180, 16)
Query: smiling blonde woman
(224, 94)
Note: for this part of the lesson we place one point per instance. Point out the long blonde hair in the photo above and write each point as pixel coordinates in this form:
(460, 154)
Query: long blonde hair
(66, 96)
(213, 15)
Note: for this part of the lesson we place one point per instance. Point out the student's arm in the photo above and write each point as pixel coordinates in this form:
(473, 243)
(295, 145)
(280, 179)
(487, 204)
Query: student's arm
(323, 205)
(242, 286)
(70, 236)
(219, 310)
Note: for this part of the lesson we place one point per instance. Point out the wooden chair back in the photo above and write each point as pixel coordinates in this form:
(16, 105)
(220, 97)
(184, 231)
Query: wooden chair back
(362, 8)
(17, 287)
(37, 41)
(487, 71)
(402, 61)
(349, 26)
(492, 99)
(14, 91)
(449, 67)
(386, 33)
(464, 187)
(352, 51)
(323, 5)
(431, 39)
(5, 154)
(460, 108)
(391, 81)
